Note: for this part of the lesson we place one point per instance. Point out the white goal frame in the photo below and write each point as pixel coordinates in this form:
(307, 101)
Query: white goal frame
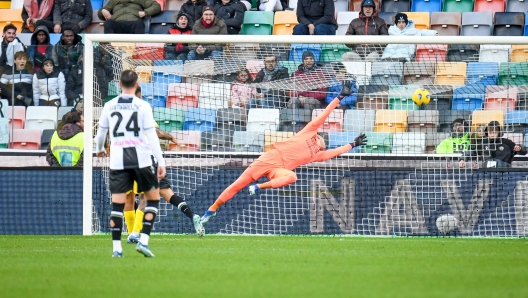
(89, 39)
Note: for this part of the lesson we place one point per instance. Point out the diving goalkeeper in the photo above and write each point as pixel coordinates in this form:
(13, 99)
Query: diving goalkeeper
(278, 163)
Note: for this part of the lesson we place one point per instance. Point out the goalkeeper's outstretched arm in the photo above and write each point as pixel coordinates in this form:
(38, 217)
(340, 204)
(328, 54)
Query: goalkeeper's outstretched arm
(329, 154)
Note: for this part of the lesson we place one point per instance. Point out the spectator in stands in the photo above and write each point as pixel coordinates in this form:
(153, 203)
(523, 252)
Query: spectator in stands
(270, 98)
(272, 5)
(40, 48)
(207, 24)
(309, 73)
(68, 50)
(193, 8)
(103, 70)
(66, 147)
(183, 26)
(368, 23)
(315, 18)
(49, 86)
(242, 92)
(74, 83)
(497, 152)
(478, 134)
(335, 86)
(232, 13)
(36, 13)
(76, 15)
(19, 81)
(404, 27)
(9, 46)
(127, 16)
(458, 142)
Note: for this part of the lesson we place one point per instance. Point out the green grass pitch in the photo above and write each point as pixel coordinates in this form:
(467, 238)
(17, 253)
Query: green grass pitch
(259, 266)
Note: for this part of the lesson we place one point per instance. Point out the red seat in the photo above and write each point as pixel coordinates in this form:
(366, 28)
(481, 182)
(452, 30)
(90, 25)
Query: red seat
(188, 140)
(183, 95)
(489, 6)
(501, 98)
(431, 53)
(333, 123)
(25, 139)
(18, 119)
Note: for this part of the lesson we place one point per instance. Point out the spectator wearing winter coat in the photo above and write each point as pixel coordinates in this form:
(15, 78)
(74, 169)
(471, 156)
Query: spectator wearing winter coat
(404, 27)
(49, 86)
(242, 92)
(103, 70)
(368, 23)
(9, 46)
(74, 84)
(334, 89)
(308, 73)
(36, 13)
(270, 98)
(66, 148)
(76, 15)
(315, 17)
(272, 5)
(207, 24)
(40, 48)
(193, 8)
(183, 25)
(232, 13)
(18, 81)
(124, 16)
(68, 50)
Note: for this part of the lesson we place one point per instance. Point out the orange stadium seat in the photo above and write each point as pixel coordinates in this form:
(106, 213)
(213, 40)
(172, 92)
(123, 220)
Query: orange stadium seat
(392, 121)
(483, 117)
(422, 20)
(451, 73)
(11, 16)
(519, 53)
(25, 139)
(284, 22)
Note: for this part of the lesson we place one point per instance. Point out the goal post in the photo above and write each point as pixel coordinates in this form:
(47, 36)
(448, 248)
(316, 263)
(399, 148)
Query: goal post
(201, 164)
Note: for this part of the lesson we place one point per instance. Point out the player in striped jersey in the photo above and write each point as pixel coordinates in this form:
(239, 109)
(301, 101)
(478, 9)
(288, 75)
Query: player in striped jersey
(133, 141)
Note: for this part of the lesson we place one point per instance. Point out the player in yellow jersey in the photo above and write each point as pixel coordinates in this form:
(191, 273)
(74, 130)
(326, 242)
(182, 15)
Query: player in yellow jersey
(134, 219)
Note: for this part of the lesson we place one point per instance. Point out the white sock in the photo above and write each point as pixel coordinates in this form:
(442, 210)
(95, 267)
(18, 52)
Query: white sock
(117, 245)
(144, 239)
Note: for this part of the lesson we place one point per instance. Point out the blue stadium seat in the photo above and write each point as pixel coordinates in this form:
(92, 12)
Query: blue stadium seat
(526, 25)
(426, 6)
(97, 4)
(298, 49)
(469, 97)
(482, 73)
(199, 119)
(516, 6)
(359, 120)
(164, 71)
(248, 141)
(338, 139)
(516, 121)
(154, 93)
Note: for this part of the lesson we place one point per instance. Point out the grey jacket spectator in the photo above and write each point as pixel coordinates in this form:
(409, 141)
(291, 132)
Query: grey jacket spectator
(40, 48)
(67, 51)
(232, 13)
(49, 88)
(74, 14)
(278, 72)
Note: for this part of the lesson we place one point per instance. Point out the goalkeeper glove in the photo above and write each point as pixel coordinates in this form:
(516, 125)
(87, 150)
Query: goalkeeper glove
(359, 140)
(346, 88)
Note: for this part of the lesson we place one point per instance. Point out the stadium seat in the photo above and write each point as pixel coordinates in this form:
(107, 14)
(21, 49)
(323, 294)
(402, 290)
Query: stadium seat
(462, 52)
(395, 5)
(387, 73)
(41, 117)
(183, 95)
(144, 70)
(25, 139)
(167, 73)
(272, 137)
(45, 139)
(446, 23)
(333, 123)
(280, 51)
(338, 139)
(174, 4)
(162, 22)
(169, 119)
(294, 119)
(489, 5)
(526, 26)
(388, 17)
(292, 66)
(214, 95)
(408, 143)
(458, 6)
(431, 53)
(373, 97)
(257, 23)
(198, 68)
(513, 73)
(447, 117)
(482, 73)
(484, 117)
(254, 66)
(149, 51)
(249, 51)
(519, 53)
(355, 5)
(441, 97)
(400, 98)
(470, 97)
(378, 142)
(517, 138)
(341, 5)
(359, 120)
(96, 4)
(154, 93)
(451, 73)
(199, 119)
(284, 22)
(503, 98)
(248, 141)
(97, 25)
(425, 121)
(433, 139)
(508, 24)
(516, 6)
(11, 16)
(419, 73)
(430, 6)
(343, 20)
(361, 70)
(263, 120)
(422, 20)
(17, 117)
(188, 140)
(62, 111)
(516, 121)
(231, 119)
(219, 141)
(333, 52)
(477, 23)
(297, 49)
(494, 53)
(390, 121)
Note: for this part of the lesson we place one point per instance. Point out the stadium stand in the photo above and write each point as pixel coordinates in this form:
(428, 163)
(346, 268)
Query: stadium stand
(333, 123)
(45, 139)
(489, 5)
(41, 118)
(11, 16)
(458, 6)
(430, 6)
(395, 5)
(187, 140)
(359, 120)
(408, 142)
(258, 23)
(230, 119)
(422, 20)
(169, 119)
(338, 139)
(390, 121)
(199, 119)
(379, 142)
(17, 117)
(263, 119)
(343, 20)
(25, 139)
(283, 22)
(477, 23)
(162, 22)
(294, 119)
(248, 141)
(446, 23)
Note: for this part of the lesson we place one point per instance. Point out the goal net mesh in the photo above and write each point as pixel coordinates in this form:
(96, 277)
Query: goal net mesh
(228, 108)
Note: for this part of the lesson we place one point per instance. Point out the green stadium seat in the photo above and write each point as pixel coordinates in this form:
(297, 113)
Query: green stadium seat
(290, 65)
(333, 52)
(400, 97)
(169, 119)
(458, 6)
(257, 23)
(513, 73)
(378, 142)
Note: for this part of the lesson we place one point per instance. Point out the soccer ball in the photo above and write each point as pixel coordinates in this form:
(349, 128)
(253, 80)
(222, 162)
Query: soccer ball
(421, 97)
(446, 223)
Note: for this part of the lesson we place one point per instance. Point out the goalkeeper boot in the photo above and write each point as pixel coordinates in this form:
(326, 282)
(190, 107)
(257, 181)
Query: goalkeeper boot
(198, 226)
(143, 249)
(117, 254)
(133, 238)
(253, 189)
(207, 216)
